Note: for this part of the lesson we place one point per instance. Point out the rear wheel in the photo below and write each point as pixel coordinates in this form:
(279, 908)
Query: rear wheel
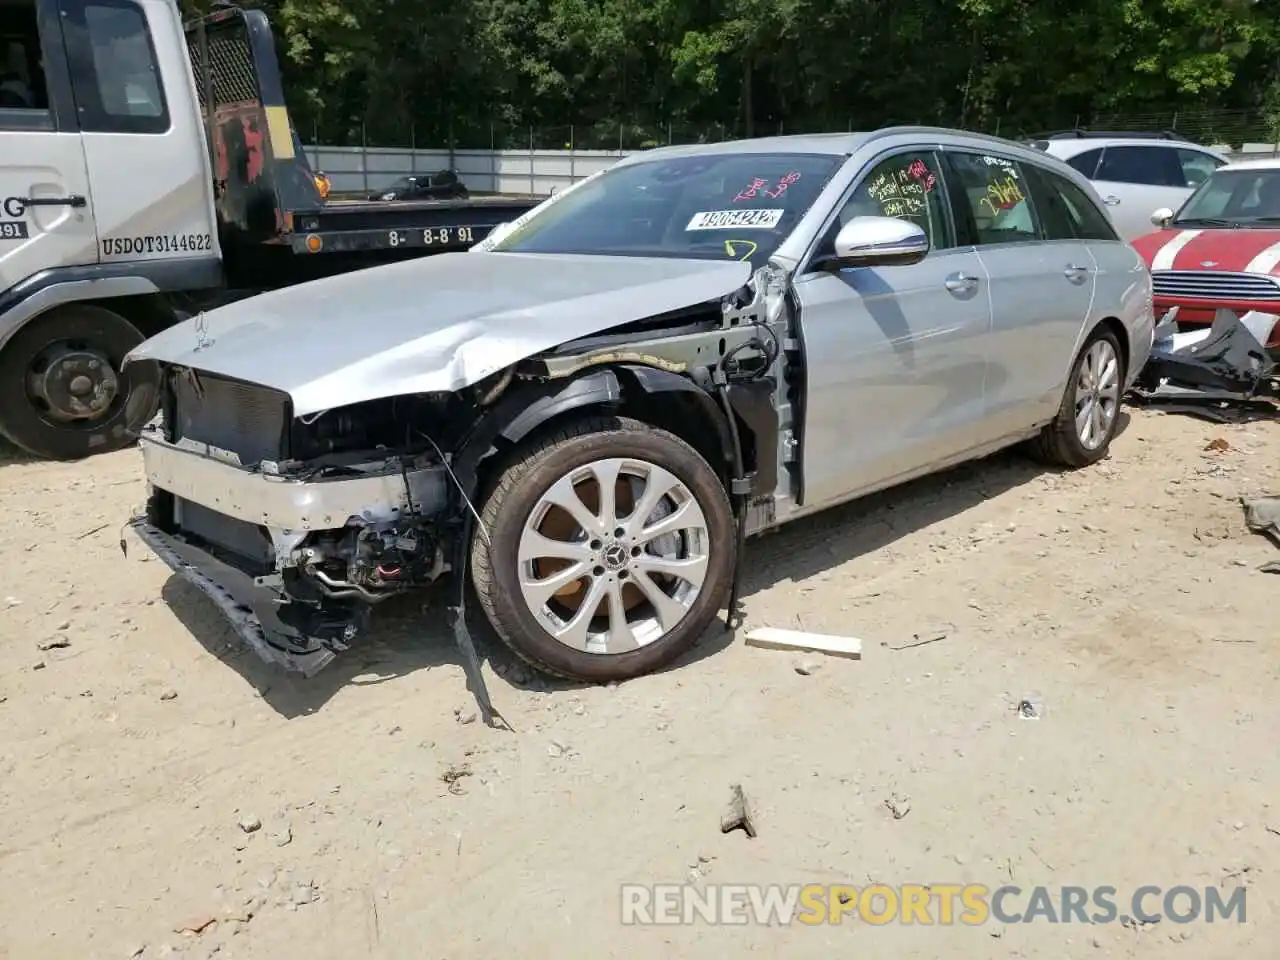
(63, 395)
(610, 550)
(1086, 423)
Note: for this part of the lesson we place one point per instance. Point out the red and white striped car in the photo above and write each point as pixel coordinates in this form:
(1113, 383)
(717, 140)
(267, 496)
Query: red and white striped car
(1222, 249)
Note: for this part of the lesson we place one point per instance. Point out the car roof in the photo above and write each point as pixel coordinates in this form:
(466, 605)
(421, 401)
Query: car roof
(834, 144)
(1073, 148)
(828, 144)
(1266, 163)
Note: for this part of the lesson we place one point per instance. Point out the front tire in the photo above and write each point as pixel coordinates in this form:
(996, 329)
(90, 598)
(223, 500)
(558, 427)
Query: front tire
(610, 550)
(1086, 423)
(63, 395)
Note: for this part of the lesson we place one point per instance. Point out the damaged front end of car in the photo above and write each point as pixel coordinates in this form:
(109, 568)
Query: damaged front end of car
(297, 527)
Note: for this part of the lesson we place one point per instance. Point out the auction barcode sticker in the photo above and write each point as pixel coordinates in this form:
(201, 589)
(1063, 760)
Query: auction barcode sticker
(733, 219)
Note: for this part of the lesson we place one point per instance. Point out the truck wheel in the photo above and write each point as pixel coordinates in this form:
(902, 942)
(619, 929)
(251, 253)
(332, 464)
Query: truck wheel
(1086, 423)
(610, 549)
(62, 394)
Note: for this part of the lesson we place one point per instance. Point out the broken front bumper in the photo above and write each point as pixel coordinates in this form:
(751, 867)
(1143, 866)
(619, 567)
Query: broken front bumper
(300, 633)
(250, 609)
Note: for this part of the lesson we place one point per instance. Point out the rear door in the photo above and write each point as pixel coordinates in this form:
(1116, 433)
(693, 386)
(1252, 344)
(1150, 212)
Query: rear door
(46, 209)
(1136, 181)
(1041, 280)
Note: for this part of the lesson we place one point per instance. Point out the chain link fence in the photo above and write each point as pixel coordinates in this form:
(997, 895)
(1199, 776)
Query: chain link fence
(1233, 128)
(604, 135)
(535, 160)
(1207, 126)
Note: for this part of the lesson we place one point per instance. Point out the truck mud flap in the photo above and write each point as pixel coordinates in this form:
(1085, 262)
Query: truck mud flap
(245, 605)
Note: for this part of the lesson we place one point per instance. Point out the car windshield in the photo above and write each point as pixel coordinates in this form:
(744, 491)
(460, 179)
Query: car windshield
(1235, 197)
(716, 206)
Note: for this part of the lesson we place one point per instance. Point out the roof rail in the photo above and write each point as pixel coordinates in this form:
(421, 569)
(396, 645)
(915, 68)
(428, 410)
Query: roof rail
(1083, 134)
(926, 129)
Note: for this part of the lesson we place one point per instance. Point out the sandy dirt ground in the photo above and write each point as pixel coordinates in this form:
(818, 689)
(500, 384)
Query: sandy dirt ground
(1123, 601)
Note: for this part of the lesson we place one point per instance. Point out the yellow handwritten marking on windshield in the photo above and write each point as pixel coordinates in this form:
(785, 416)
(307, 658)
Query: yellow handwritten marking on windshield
(731, 249)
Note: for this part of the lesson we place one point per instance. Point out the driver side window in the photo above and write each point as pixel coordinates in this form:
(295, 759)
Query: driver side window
(907, 186)
(24, 101)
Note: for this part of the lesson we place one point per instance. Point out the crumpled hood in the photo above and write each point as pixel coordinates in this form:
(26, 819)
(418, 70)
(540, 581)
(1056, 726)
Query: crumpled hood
(439, 323)
(1244, 249)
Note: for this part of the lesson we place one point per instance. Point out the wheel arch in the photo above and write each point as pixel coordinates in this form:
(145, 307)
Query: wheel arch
(109, 294)
(134, 290)
(1122, 338)
(1112, 324)
(666, 400)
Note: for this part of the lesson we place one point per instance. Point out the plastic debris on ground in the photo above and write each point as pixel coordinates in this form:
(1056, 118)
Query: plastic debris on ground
(1222, 373)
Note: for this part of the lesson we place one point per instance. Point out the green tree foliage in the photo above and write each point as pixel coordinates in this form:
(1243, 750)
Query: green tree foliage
(459, 70)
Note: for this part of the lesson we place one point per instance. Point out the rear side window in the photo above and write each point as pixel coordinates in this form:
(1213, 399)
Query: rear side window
(1197, 167)
(995, 197)
(1066, 210)
(1150, 166)
(114, 70)
(1086, 162)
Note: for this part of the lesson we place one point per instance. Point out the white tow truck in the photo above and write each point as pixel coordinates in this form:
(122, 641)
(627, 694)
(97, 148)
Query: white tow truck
(149, 170)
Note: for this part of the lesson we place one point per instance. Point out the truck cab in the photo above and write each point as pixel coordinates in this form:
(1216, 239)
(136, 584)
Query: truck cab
(105, 203)
(149, 170)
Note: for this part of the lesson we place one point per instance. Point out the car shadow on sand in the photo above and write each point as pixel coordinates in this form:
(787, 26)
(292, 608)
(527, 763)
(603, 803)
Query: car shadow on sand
(411, 633)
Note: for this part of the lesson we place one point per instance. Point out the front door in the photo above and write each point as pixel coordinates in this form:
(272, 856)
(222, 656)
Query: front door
(894, 356)
(1042, 278)
(143, 139)
(46, 205)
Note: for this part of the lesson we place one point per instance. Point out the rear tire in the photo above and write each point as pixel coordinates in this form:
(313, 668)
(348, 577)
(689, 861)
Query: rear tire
(673, 573)
(46, 361)
(1087, 420)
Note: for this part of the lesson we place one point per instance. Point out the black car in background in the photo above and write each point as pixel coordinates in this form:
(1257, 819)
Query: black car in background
(441, 185)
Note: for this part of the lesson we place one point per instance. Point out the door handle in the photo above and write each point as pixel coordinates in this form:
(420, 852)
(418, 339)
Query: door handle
(1111, 201)
(75, 200)
(1074, 272)
(960, 283)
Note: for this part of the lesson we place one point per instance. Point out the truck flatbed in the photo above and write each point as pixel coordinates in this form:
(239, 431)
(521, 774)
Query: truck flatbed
(362, 226)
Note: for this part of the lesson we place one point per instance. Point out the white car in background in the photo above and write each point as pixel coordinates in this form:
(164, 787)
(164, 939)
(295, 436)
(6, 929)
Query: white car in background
(1135, 173)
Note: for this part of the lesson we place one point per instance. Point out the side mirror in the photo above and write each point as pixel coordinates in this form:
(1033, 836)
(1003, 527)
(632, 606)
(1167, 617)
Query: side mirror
(878, 242)
(1162, 217)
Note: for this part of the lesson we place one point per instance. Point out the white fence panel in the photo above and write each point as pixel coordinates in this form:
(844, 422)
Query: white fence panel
(536, 172)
